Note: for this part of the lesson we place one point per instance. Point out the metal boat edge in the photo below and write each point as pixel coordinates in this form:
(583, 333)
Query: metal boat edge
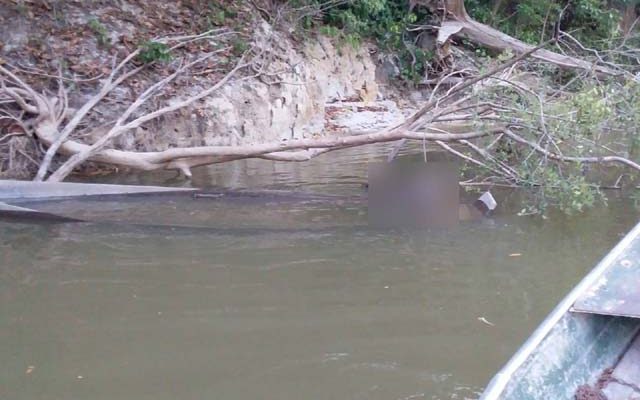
(496, 387)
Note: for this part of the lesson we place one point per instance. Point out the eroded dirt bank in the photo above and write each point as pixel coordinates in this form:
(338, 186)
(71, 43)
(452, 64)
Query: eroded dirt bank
(314, 86)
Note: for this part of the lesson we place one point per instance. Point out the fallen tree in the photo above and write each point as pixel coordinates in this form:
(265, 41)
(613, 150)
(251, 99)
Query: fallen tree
(457, 22)
(460, 120)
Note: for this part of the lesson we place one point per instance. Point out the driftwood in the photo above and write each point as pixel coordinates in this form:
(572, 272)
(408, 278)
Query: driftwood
(452, 120)
(53, 126)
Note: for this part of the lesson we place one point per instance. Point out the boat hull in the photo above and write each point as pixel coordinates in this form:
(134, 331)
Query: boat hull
(570, 349)
(576, 352)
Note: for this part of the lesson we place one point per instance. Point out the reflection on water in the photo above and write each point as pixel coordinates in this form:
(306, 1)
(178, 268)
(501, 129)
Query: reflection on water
(318, 307)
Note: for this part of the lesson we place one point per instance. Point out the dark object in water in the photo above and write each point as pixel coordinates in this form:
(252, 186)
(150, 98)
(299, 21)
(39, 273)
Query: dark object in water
(480, 208)
(10, 212)
(273, 195)
(420, 195)
(413, 195)
(39, 200)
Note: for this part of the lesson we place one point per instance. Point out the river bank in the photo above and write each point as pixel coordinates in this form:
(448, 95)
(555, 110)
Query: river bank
(316, 87)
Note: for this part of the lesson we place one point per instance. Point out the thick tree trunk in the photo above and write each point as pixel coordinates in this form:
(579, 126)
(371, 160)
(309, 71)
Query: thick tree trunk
(457, 22)
(447, 118)
(629, 17)
(456, 8)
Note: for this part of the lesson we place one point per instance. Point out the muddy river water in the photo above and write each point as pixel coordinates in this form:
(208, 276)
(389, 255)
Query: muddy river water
(279, 300)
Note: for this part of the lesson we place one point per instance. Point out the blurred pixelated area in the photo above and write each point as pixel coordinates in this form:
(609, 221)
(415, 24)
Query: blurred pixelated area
(413, 194)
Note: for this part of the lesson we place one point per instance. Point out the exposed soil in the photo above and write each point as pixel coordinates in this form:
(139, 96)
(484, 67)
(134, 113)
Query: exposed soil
(80, 37)
(76, 42)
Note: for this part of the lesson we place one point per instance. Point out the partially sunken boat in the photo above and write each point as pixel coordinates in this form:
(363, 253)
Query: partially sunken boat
(206, 208)
(20, 191)
(37, 202)
(589, 346)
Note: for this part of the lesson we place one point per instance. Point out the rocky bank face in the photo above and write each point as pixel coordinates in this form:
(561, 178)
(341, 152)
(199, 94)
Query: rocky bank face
(308, 89)
(287, 105)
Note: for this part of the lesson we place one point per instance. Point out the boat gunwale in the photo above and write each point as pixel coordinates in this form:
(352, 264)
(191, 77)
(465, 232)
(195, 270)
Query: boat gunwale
(499, 382)
(12, 191)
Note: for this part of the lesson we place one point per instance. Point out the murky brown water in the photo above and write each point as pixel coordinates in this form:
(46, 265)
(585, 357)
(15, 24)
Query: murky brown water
(279, 300)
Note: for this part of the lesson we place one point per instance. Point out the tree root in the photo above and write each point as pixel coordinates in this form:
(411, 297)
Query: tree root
(452, 118)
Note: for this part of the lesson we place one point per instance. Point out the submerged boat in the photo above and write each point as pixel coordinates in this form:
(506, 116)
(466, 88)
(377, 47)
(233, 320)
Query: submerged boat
(26, 201)
(20, 191)
(589, 346)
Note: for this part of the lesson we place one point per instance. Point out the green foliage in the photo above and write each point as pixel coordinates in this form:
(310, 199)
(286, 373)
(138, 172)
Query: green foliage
(330, 31)
(574, 194)
(628, 109)
(386, 22)
(239, 47)
(154, 51)
(579, 125)
(220, 13)
(587, 123)
(389, 23)
(571, 194)
(22, 8)
(592, 108)
(98, 29)
(635, 196)
(217, 18)
(590, 21)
